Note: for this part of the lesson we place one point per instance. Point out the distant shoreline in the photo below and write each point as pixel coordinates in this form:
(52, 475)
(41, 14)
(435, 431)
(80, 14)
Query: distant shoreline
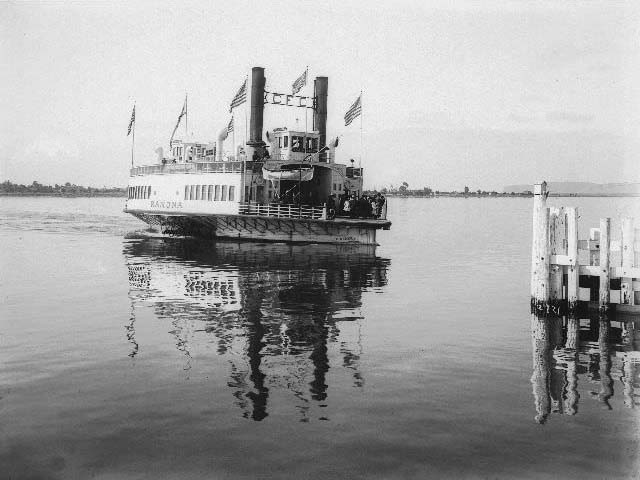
(68, 195)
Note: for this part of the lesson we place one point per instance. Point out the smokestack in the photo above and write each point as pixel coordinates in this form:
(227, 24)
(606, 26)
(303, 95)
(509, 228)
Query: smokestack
(321, 88)
(257, 107)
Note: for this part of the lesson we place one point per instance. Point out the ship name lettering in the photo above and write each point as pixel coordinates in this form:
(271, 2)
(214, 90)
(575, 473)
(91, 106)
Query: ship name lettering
(163, 204)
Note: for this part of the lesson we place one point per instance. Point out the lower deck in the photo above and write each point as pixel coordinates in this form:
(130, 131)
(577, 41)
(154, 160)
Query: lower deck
(264, 228)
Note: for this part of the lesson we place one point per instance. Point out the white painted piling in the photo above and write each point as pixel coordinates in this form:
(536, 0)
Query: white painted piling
(604, 296)
(557, 246)
(573, 269)
(540, 250)
(628, 254)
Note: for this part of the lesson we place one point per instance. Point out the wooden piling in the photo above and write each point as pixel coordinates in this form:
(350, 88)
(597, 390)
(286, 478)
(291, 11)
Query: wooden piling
(628, 254)
(557, 241)
(604, 296)
(573, 269)
(540, 251)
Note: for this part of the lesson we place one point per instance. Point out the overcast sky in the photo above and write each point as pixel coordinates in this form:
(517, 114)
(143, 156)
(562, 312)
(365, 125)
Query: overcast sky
(455, 93)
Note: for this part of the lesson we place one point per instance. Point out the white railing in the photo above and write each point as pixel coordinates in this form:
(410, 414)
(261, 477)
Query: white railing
(286, 210)
(200, 167)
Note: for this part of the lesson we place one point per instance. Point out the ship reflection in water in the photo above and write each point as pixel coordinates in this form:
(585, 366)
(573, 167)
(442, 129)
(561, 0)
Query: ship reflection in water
(567, 351)
(273, 310)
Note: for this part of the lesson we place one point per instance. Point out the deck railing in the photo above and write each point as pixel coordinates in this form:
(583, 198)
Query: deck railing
(200, 167)
(286, 210)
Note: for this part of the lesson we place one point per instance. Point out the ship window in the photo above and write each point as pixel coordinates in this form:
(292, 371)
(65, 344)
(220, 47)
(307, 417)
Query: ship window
(286, 141)
(192, 193)
(334, 186)
(279, 142)
(137, 193)
(217, 197)
(186, 192)
(224, 193)
(297, 144)
(232, 193)
(339, 186)
(199, 192)
(210, 193)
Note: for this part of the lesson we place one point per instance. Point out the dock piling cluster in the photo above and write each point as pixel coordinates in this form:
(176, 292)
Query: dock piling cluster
(561, 278)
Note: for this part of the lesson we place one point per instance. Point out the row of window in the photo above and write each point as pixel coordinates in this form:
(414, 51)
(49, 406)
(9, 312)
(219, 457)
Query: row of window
(297, 143)
(211, 193)
(141, 191)
(339, 189)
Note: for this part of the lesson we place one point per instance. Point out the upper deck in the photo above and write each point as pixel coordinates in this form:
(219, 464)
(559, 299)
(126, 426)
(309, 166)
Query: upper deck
(189, 167)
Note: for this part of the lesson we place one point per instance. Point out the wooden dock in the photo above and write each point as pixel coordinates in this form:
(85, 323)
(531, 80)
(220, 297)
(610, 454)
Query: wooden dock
(567, 273)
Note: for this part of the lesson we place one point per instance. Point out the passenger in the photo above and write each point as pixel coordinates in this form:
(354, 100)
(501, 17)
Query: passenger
(365, 206)
(346, 207)
(374, 207)
(331, 206)
(341, 200)
(380, 201)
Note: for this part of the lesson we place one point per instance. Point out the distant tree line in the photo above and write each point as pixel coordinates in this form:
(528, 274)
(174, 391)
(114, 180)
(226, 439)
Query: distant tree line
(404, 191)
(68, 189)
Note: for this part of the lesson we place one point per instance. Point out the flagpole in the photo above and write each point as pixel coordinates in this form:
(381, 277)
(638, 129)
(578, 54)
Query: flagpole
(360, 162)
(133, 139)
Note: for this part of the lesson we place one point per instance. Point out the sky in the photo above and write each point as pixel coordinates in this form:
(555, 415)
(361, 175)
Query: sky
(455, 93)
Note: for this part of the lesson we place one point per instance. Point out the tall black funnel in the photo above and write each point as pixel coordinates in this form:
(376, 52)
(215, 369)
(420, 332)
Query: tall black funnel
(257, 106)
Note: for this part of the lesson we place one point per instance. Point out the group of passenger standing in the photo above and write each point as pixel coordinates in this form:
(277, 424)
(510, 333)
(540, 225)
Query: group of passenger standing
(348, 205)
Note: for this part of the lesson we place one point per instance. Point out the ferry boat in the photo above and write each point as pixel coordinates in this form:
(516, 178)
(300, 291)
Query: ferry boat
(281, 189)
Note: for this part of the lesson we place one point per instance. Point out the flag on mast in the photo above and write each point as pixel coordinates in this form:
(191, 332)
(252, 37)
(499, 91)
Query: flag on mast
(300, 82)
(230, 126)
(132, 121)
(240, 97)
(354, 111)
(182, 114)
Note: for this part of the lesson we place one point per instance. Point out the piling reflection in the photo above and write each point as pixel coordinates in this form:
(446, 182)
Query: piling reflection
(274, 311)
(598, 350)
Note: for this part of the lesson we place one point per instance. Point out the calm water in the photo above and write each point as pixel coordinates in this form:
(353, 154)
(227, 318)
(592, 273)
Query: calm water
(147, 358)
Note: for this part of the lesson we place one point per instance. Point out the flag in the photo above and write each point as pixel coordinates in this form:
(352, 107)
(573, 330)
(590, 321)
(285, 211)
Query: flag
(182, 114)
(230, 126)
(354, 111)
(132, 121)
(240, 97)
(300, 82)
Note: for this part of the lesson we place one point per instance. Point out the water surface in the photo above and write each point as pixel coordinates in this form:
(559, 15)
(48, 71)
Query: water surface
(130, 357)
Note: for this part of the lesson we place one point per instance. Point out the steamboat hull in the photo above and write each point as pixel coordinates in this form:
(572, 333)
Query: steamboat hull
(251, 227)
